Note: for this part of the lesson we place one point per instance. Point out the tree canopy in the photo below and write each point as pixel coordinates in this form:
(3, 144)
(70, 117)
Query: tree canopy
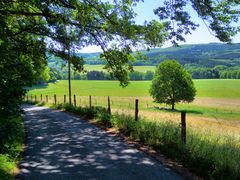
(76, 24)
(172, 84)
(30, 28)
(220, 16)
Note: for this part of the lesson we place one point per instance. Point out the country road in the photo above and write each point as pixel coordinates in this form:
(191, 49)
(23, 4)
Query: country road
(62, 146)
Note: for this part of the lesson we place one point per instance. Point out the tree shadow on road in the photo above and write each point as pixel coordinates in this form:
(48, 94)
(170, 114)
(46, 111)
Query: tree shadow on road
(62, 146)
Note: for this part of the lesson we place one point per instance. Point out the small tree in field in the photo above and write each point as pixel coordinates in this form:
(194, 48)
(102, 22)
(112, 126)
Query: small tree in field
(172, 84)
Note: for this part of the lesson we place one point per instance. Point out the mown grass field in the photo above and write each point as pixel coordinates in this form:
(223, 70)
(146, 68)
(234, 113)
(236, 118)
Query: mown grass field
(136, 68)
(224, 89)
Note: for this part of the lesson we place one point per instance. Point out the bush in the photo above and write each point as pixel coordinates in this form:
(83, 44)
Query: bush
(11, 135)
(87, 112)
(11, 144)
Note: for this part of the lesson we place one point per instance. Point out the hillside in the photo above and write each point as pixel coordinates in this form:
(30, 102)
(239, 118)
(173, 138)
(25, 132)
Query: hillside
(203, 55)
(202, 61)
(206, 55)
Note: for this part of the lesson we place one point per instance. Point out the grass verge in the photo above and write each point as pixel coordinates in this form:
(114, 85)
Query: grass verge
(11, 145)
(207, 154)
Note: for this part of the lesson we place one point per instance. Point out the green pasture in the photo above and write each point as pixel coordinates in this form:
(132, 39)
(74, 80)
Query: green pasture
(123, 98)
(136, 68)
(205, 88)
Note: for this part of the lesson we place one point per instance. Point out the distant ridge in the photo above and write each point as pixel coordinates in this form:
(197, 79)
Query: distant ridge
(205, 55)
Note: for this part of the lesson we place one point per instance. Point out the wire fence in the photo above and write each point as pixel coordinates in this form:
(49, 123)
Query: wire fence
(147, 109)
(122, 105)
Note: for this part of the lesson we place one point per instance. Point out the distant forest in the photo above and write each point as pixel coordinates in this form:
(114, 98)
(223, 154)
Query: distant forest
(203, 61)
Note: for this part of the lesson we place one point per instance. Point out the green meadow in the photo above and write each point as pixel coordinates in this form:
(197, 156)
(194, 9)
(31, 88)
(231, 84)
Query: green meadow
(226, 89)
(215, 99)
(136, 68)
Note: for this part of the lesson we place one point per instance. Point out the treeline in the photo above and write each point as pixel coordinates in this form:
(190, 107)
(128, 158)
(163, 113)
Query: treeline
(218, 72)
(97, 75)
(207, 55)
(230, 74)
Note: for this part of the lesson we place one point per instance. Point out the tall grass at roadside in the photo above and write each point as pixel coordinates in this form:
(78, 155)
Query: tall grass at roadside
(207, 154)
(11, 145)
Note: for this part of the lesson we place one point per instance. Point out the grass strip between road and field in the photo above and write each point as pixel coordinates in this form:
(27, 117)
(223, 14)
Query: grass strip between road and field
(12, 138)
(206, 154)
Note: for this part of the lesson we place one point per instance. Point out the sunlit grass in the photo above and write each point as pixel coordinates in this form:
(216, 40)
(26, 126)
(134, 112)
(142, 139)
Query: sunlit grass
(136, 68)
(217, 88)
(217, 99)
(7, 167)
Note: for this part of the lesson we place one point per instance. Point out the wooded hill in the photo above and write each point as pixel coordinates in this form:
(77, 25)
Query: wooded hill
(205, 55)
(203, 61)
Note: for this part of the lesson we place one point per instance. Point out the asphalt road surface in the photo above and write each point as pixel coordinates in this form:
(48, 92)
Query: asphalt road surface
(62, 146)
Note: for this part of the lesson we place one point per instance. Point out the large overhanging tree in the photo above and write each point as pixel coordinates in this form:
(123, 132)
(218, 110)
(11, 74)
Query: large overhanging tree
(30, 28)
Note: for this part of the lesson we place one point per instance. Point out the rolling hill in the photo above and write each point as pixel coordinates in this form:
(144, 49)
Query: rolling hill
(201, 55)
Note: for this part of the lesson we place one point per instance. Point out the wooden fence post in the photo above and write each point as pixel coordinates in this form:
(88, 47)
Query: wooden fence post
(55, 99)
(183, 127)
(74, 100)
(64, 98)
(31, 98)
(136, 110)
(47, 98)
(90, 101)
(27, 98)
(109, 105)
(41, 97)
(35, 98)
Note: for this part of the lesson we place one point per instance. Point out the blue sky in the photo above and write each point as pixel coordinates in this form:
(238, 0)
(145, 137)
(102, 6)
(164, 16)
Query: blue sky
(145, 12)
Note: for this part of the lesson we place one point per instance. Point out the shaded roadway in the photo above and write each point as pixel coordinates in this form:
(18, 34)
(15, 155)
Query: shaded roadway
(62, 146)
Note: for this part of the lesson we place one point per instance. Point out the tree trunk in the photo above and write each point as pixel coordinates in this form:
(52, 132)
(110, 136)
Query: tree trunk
(69, 78)
(173, 104)
(173, 101)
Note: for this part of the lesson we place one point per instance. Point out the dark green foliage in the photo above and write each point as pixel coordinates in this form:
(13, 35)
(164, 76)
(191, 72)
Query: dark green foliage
(101, 75)
(12, 138)
(136, 76)
(218, 15)
(95, 75)
(231, 73)
(54, 75)
(202, 55)
(18, 70)
(149, 75)
(30, 30)
(11, 134)
(172, 84)
(204, 73)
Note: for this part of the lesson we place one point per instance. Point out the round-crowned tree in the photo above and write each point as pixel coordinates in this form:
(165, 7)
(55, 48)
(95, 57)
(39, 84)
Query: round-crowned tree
(172, 84)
